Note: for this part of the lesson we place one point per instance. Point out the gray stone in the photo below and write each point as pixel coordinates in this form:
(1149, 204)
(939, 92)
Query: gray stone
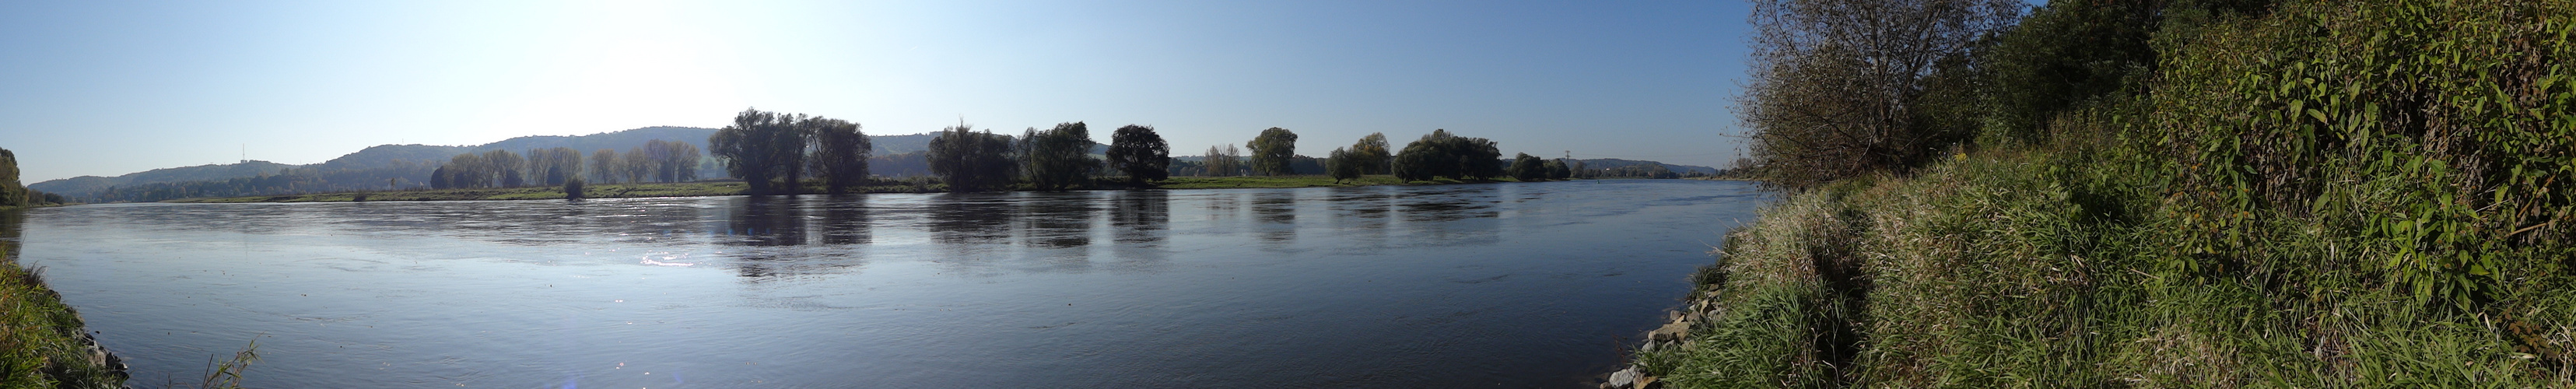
(1625, 378)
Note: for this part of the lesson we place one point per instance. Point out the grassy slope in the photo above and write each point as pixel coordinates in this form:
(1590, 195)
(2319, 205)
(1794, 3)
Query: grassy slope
(2011, 269)
(41, 343)
(2339, 194)
(735, 188)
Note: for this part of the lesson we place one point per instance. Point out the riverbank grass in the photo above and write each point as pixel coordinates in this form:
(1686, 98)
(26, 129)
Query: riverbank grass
(42, 342)
(2056, 268)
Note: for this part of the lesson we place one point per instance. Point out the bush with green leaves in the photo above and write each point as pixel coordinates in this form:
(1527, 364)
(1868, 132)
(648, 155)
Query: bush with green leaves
(2440, 138)
(1441, 154)
(1526, 168)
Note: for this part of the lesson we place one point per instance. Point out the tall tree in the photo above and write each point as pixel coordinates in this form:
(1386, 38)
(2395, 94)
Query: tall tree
(551, 166)
(439, 178)
(1225, 162)
(1838, 87)
(1271, 151)
(840, 153)
(636, 165)
(1372, 154)
(469, 170)
(1527, 168)
(1141, 153)
(971, 161)
(11, 193)
(1345, 165)
(673, 161)
(1060, 157)
(603, 166)
(761, 147)
(509, 167)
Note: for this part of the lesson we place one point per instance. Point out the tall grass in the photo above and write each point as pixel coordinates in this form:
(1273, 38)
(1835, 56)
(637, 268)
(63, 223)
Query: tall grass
(2338, 194)
(42, 344)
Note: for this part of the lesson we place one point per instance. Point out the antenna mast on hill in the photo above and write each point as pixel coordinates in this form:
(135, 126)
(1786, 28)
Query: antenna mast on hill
(245, 153)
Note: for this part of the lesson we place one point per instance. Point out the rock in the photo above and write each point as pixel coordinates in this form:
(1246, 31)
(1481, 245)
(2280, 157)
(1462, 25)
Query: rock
(1670, 332)
(1650, 347)
(1624, 378)
(1645, 382)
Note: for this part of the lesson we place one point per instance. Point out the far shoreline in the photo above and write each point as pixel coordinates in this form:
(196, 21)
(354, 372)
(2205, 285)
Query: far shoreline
(735, 188)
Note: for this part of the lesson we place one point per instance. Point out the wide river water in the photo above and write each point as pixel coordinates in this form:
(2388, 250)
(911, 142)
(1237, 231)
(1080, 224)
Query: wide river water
(1485, 285)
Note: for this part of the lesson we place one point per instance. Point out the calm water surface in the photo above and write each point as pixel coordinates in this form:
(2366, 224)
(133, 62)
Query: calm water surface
(1494, 285)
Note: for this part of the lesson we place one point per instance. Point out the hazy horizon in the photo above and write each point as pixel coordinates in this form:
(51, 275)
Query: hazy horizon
(115, 88)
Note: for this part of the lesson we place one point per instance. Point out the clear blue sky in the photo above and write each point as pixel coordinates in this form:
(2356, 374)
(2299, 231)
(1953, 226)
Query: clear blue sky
(107, 88)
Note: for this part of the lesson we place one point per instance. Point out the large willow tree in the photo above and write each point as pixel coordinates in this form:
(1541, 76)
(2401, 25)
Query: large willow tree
(1060, 157)
(761, 147)
(840, 153)
(971, 161)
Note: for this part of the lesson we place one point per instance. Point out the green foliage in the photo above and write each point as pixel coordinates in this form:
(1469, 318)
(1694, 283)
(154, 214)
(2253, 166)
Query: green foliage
(506, 167)
(228, 373)
(762, 147)
(1373, 154)
(1846, 88)
(972, 161)
(840, 153)
(2325, 194)
(1140, 153)
(1526, 168)
(604, 166)
(1059, 158)
(42, 342)
(672, 161)
(1557, 169)
(1272, 150)
(1440, 154)
(2436, 136)
(1225, 162)
(1345, 165)
(11, 194)
(572, 190)
(552, 166)
(2064, 54)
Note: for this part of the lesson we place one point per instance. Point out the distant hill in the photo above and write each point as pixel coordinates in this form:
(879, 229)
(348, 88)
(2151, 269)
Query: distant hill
(389, 166)
(899, 144)
(85, 185)
(377, 167)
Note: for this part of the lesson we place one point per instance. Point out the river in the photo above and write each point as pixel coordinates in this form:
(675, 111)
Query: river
(1484, 285)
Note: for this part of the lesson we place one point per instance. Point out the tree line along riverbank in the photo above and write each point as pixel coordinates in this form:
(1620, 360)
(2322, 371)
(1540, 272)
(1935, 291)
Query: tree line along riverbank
(734, 188)
(2153, 194)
